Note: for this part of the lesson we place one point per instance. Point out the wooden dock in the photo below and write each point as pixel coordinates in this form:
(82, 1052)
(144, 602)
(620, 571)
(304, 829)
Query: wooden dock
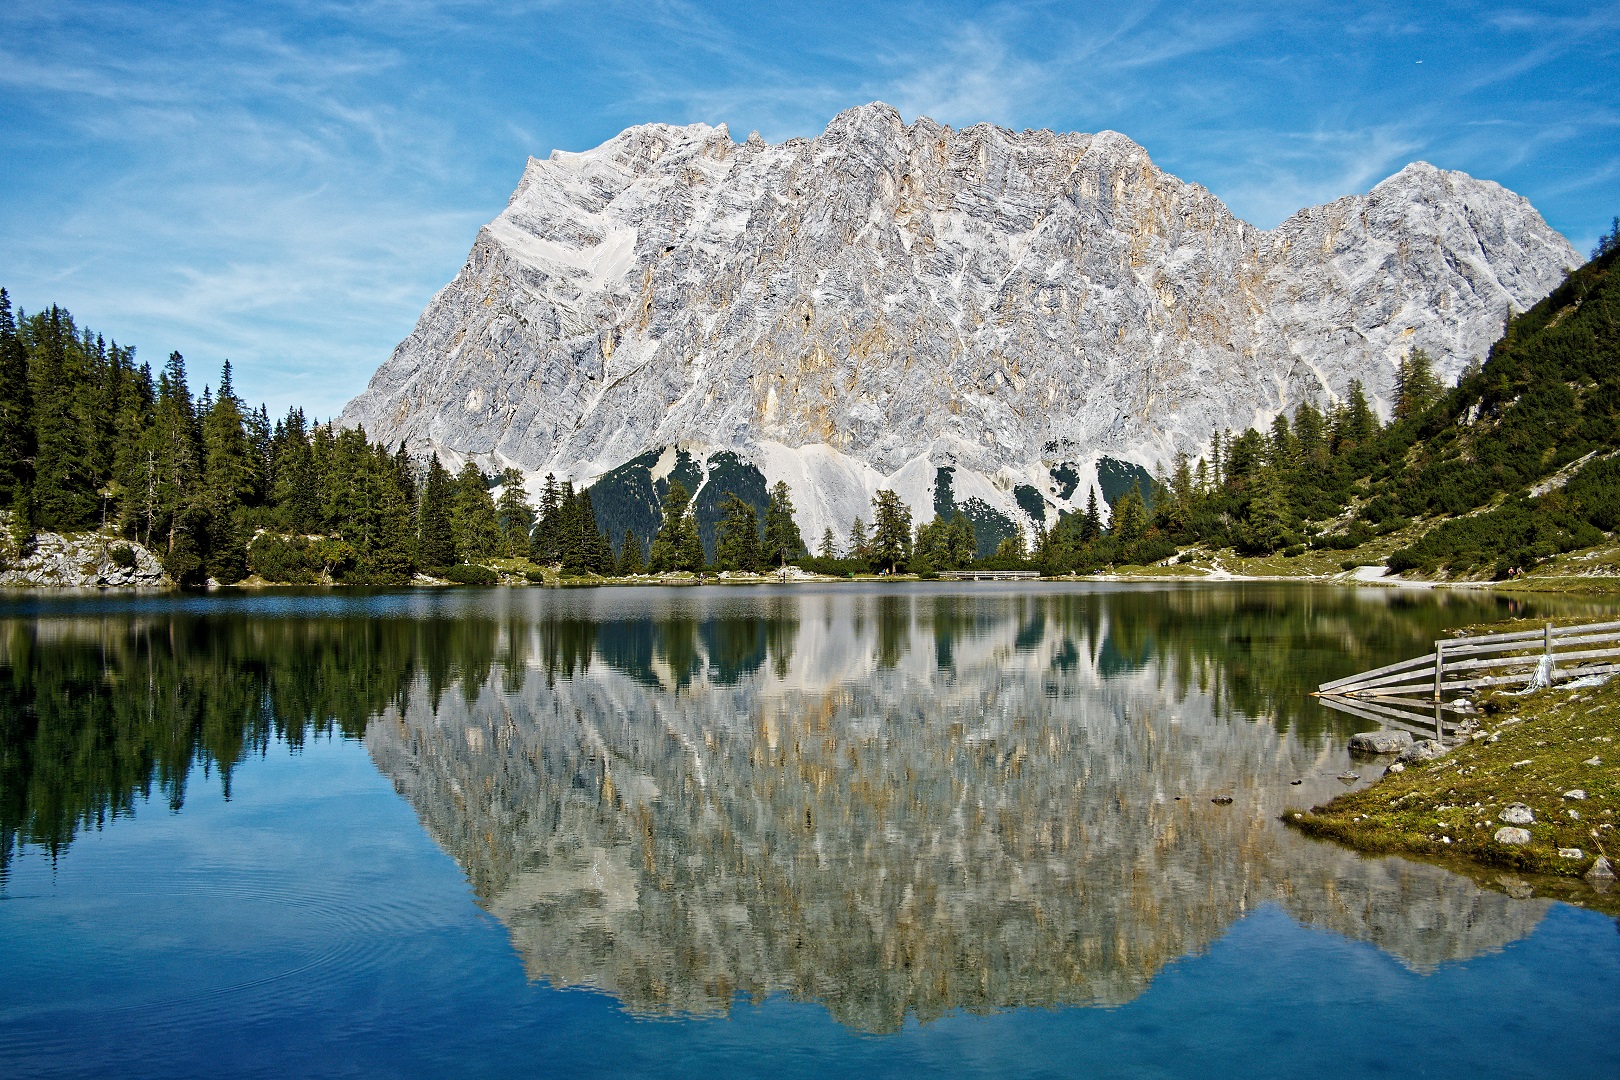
(1430, 693)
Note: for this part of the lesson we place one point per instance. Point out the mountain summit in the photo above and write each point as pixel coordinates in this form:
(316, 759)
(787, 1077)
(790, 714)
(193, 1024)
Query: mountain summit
(911, 306)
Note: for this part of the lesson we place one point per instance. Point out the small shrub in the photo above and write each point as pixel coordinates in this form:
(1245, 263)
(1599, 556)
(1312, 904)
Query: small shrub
(288, 559)
(122, 555)
(1293, 551)
(1186, 557)
(536, 577)
(472, 574)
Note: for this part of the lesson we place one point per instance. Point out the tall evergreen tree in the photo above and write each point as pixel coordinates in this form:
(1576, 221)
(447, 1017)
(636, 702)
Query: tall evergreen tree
(782, 540)
(891, 530)
(64, 487)
(737, 546)
(829, 546)
(514, 515)
(1416, 387)
(1091, 522)
(677, 547)
(631, 560)
(435, 532)
(16, 412)
(473, 516)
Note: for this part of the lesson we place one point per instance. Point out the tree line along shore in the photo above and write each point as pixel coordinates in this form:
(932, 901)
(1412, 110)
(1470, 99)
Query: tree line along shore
(1510, 467)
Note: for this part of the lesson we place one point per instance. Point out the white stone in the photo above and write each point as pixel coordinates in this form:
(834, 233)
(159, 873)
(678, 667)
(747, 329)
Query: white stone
(855, 310)
(1509, 835)
(1380, 742)
(1517, 814)
(1571, 853)
(1575, 793)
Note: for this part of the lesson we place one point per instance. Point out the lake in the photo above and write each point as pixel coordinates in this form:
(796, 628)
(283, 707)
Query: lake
(809, 830)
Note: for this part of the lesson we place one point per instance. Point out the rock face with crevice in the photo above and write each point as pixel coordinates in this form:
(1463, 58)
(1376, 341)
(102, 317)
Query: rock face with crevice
(859, 309)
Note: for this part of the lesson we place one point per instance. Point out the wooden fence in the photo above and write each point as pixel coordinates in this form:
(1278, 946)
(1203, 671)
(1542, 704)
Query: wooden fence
(1429, 692)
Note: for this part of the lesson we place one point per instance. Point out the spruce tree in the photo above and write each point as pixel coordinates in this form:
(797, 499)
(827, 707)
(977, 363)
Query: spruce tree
(228, 483)
(829, 546)
(543, 546)
(859, 546)
(782, 540)
(673, 547)
(630, 557)
(64, 488)
(1416, 387)
(1129, 520)
(16, 412)
(737, 546)
(435, 533)
(473, 516)
(1091, 522)
(514, 515)
(891, 530)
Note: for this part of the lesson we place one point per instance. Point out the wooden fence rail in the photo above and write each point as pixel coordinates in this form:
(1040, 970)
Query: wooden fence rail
(1419, 693)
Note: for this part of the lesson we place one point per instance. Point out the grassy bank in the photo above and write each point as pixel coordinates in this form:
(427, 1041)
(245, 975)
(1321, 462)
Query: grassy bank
(1531, 750)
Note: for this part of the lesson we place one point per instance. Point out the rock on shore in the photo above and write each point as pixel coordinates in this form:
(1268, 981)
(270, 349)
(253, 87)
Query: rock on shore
(83, 561)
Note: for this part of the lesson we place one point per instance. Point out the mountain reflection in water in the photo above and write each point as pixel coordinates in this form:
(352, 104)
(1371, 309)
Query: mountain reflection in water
(892, 805)
(892, 802)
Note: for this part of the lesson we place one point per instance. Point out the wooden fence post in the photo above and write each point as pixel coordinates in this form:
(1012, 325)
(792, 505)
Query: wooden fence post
(1439, 668)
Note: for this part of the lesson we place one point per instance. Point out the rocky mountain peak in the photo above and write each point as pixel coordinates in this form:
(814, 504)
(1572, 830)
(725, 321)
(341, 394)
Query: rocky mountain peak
(884, 301)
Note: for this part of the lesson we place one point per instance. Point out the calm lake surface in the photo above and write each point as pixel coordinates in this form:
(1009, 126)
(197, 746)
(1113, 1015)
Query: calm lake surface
(723, 831)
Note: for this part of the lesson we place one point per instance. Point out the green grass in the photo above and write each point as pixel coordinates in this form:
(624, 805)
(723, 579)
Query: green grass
(1528, 750)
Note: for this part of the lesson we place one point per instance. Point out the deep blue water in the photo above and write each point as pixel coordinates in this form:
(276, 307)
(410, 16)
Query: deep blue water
(313, 924)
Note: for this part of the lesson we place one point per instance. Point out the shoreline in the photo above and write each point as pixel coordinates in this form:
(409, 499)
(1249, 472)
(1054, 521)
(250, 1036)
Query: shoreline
(1534, 789)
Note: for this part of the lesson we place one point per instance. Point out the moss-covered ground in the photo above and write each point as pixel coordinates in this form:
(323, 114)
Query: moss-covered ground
(1534, 750)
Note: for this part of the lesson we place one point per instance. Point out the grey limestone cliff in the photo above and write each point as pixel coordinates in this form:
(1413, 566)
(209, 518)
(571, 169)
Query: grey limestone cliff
(858, 309)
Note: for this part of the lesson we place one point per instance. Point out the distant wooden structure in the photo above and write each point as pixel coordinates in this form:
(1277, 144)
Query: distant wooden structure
(990, 575)
(1426, 693)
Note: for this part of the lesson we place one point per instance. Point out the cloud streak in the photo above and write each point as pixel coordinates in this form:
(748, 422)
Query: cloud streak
(288, 183)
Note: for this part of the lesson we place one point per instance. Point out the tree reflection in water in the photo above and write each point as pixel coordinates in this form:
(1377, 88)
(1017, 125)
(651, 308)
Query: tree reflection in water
(897, 802)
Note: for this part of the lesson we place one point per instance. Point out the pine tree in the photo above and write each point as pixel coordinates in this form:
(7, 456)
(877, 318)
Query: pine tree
(472, 516)
(630, 557)
(829, 546)
(436, 537)
(543, 547)
(859, 547)
(1091, 523)
(1266, 529)
(891, 530)
(782, 539)
(64, 488)
(1129, 520)
(1416, 387)
(737, 544)
(513, 514)
(16, 412)
(672, 548)
(228, 483)
(963, 545)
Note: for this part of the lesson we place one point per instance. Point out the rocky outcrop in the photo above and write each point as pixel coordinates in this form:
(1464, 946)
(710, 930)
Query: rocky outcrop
(868, 306)
(83, 561)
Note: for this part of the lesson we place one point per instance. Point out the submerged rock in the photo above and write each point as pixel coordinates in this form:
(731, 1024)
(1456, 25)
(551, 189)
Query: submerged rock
(1601, 870)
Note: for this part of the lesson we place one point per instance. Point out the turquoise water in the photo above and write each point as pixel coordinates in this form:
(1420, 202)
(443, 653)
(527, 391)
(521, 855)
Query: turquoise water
(725, 831)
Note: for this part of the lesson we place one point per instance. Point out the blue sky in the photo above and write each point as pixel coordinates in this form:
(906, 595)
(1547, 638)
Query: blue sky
(287, 183)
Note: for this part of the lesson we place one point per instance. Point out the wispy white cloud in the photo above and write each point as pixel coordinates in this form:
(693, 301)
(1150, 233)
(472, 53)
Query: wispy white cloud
(287, 183)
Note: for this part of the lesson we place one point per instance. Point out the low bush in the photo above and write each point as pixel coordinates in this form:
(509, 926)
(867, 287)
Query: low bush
(122, 555)
(472, 574)
(289, 559)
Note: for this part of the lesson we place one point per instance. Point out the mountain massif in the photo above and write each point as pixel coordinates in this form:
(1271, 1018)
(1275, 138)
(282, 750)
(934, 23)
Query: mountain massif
(1030, 312)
